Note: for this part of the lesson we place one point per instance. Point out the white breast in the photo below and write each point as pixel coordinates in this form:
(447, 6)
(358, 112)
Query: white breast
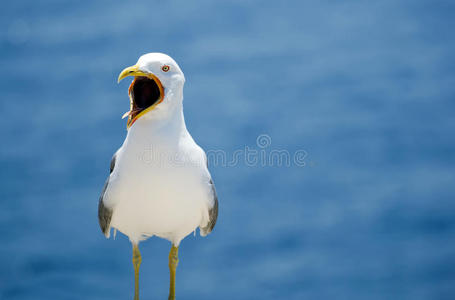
(159, 186)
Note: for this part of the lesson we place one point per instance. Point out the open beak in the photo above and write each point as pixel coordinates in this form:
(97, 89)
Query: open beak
(146, 92)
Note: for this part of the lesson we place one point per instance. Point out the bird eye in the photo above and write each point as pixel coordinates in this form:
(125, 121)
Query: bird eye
(165, 68)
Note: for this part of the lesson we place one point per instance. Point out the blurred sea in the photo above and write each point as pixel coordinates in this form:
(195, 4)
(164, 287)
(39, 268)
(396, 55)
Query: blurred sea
(366, 88)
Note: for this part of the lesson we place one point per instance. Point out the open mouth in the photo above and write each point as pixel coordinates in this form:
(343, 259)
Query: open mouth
(145, 94)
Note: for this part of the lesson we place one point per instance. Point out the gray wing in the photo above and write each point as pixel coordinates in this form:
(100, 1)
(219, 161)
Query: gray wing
(105, 213)
(213, 212)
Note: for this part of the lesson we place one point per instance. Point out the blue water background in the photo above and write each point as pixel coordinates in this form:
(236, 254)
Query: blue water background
(365, 88)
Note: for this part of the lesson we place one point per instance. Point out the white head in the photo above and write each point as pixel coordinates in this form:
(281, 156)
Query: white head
(158, 84)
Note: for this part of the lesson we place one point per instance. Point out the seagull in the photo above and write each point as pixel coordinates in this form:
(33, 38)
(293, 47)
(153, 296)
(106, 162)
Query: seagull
(159, 183)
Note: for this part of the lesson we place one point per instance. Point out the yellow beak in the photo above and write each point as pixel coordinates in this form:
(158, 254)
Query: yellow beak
(131, 71)
(134, 71)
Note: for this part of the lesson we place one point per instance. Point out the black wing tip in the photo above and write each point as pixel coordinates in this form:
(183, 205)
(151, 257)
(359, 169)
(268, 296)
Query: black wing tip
(104, 218)
(213, 214)
(104, 213)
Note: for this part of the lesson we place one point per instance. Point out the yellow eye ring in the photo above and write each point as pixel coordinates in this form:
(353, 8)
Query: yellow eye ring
(165, 68)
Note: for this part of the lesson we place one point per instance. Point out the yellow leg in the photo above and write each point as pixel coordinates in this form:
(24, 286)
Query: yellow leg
(173, 262)
(137, 259)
